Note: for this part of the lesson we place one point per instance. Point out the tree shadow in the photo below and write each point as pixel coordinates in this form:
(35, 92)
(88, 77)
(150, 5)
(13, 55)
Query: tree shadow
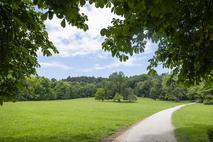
(123, 101)
(60, 138)
(162, 137)
(194, 133)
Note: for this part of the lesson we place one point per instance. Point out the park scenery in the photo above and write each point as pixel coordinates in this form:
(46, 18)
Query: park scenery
(106, 71)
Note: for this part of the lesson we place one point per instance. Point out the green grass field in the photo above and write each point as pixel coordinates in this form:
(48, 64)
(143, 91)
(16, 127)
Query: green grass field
(192, 123)
(79, 120)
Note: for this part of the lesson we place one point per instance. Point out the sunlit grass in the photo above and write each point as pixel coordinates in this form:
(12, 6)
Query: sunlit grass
(79, 120)
(192, 123)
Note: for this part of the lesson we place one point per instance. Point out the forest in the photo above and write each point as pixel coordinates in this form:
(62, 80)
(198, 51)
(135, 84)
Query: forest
(117, 87)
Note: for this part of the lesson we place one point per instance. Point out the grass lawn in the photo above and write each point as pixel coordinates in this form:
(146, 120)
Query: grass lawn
(79, 120)
(192, 123)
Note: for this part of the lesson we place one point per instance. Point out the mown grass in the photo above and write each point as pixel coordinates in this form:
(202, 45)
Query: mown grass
(192, 123)
(79, 120)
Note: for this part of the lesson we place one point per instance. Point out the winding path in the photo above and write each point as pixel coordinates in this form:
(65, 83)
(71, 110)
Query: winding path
(156, 128)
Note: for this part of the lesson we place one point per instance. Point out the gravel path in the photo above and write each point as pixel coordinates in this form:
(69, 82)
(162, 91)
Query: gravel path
(156, 128)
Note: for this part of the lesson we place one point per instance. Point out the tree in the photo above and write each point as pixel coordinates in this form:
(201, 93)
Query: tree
(132, 81)
(202, 92)
(110, 89)
(89, 90)
(127, 92)
(156, 89)
(153, 93)
(173, 90)
(63, 90)
(132, 98)
(182, 30)
(118, 81)
(129, 95)
(22, 33)
(143, 88)
(118, 97)
(100, 94)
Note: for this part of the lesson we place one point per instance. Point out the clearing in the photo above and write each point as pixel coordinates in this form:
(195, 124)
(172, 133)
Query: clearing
(83, 120)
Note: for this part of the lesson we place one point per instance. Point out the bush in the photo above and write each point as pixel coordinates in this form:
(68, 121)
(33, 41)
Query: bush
(208, 100)
(100, 94)
(117, 97)
(132, 98)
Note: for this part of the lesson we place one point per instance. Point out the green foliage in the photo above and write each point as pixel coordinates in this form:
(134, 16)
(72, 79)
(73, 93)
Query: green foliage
(100, 94)
(40, 88)
(63, 90)
(132, 98)
(129, 95)
(182, 30)
(127, 92)
(118, 97)
(143, 88)
(22, 33)
(153, 93)
(202, 92)
(156, 87)
(173, 90)
(118, 81)
(110, 89)
(208, 100)
(85, 79)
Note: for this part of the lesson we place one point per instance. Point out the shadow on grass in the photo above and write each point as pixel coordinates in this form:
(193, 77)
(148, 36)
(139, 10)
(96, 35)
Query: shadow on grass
(123, 101)
(162, 137)
(193, 133)
(60, 138)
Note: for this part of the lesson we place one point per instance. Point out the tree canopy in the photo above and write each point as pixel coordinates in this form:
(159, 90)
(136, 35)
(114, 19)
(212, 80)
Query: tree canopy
(182, 29)
(156, 87)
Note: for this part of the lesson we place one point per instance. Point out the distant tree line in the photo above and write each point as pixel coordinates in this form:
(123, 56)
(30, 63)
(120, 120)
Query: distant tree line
(40, 88)
(117, 87)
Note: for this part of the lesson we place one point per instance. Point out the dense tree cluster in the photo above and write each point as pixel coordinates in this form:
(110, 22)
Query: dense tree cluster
(116, 87)
(40, 88)
(182, 29)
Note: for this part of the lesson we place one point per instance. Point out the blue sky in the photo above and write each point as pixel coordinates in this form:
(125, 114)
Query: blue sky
(80, 52)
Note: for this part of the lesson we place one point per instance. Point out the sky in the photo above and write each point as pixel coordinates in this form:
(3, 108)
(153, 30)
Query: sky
(80, 52)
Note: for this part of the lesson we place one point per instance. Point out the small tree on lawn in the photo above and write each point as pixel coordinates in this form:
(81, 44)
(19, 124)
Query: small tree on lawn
(118, 97)
(126, 93)
(100, 94)
(153, 93)
(132, 98)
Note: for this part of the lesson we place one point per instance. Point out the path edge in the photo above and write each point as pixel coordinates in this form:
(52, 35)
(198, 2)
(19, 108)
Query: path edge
(113, 136)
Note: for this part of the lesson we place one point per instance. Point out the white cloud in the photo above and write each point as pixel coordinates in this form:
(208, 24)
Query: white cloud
(133, 61)
(55, 65)
(71, 41)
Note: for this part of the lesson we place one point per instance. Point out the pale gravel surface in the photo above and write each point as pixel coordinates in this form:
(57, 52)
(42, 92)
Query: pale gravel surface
(156, 128)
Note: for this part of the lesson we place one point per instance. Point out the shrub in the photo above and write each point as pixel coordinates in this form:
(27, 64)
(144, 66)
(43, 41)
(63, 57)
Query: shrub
(100, 94)
(132, 98)
(208, 100)
(117, 97)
